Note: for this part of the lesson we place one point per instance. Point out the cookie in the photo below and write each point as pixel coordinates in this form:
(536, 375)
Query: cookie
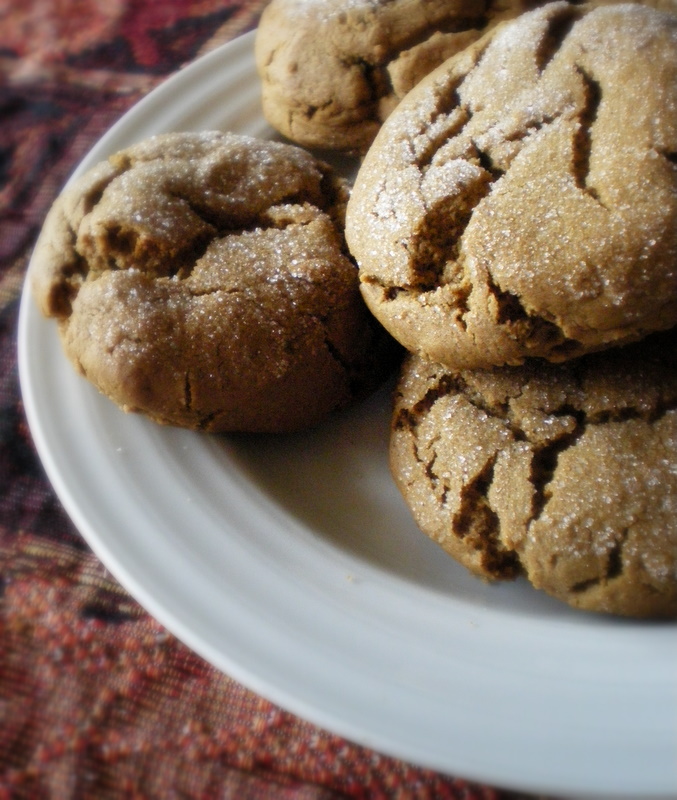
(332, 70)
(202, 279)
(521, 201)
(563, 473)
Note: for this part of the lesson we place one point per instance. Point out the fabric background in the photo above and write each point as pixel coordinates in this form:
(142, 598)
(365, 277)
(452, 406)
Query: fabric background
(97, 700)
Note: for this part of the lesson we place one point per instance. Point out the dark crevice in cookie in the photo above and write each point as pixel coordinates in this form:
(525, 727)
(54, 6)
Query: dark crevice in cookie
(446, 385)
(126, 247)
(61, 297)
(437, 245)
(187, 393)
(583, 139)
(511, 313)
(404, 419)
(334, 196)
(389, 292)
(544, 462)
(583, 586)
(462, 298)
(460, 25)
(310, 111)
(475, 514)
(509, 306)
(409, 417)
(455, 384)
(335, 353)
(403, 42)
(566, 349)
(222, 223)
(479, 526)
(532, 127)
(375, 80)
(454, 24)
(485, 161)
(669, 156)
(497, 411)
(614, 562)
(91, 200)
(182, 264)
(435, 250)
(612, 569)
(558, 29)
(73, 273)
(436, 134)
(623, 415)
(380, 86)
(214, 219)
(206, 422)
(122, 242)
(500, 563)
(429, 469)
(649, 415)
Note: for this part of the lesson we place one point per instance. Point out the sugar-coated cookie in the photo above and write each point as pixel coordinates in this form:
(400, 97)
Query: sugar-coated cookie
(202, 278)
(332, 70)
(522, 199)
(566, 473)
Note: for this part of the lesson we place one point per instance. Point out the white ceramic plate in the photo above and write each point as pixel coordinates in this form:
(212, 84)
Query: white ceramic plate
(292, 564)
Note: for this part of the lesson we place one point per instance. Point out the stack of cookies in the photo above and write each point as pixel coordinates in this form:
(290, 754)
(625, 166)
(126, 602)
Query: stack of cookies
(512, 228)
(515, 226)
(333, 70)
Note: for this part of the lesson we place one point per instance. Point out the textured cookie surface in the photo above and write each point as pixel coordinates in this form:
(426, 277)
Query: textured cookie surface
(202, 279)
(332, 70)
(565, 473)
(522, 200)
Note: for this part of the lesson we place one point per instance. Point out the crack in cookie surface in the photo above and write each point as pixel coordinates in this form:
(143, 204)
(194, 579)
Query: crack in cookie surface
(204, 280)
(332, 71)
(563, 472)
(583, 143)
(500, 177)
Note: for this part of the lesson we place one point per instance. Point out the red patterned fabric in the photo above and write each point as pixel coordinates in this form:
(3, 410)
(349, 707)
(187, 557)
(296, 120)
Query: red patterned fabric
(97, 700)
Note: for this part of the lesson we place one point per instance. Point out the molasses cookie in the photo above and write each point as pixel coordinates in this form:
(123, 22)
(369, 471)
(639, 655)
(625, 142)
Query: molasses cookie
(566, 473)
(332, 70)
(202, 278)
(522, 200)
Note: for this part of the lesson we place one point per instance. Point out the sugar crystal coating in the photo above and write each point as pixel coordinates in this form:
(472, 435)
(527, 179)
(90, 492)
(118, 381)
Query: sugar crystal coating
(522, 200)
(203, 279)
(333, 70)
(566, 474)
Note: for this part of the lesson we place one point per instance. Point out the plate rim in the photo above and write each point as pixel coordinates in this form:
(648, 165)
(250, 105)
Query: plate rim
(240, 48)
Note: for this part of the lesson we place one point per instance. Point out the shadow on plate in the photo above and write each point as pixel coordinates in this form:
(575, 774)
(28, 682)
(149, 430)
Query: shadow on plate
(336, 482)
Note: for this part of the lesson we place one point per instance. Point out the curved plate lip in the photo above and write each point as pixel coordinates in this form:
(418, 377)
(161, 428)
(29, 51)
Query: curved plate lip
(466, 679)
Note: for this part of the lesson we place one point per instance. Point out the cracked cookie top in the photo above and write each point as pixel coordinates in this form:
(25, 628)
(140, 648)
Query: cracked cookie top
(332, 70)
(203, 279)
(564, 473)
(522, 200)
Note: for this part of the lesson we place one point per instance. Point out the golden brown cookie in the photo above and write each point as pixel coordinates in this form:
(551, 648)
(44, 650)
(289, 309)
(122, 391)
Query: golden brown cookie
(203, 280)
(332, 70)
(522, 200)
(566, 473)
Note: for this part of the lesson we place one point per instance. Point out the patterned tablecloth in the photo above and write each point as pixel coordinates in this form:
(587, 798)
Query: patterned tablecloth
(97, 700)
